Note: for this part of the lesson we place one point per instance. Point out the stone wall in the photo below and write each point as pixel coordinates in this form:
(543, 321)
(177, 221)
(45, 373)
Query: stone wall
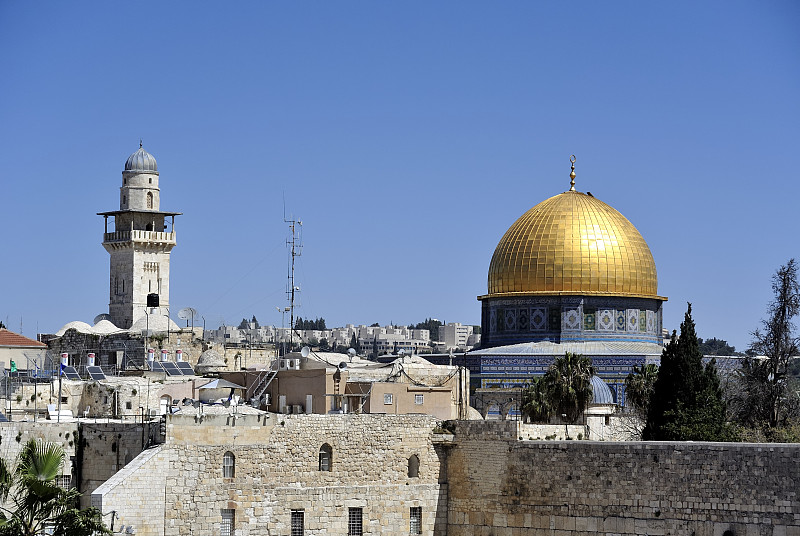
(105, 448)
(277, 470)
(504, 487)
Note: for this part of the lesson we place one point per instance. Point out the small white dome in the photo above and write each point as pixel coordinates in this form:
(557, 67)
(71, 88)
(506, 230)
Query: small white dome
(141, 160)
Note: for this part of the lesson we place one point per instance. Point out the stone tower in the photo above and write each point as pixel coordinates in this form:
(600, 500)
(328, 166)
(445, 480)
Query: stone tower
(140, 245)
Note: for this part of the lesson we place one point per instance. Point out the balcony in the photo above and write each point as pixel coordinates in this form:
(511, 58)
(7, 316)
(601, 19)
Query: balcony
(139, 236)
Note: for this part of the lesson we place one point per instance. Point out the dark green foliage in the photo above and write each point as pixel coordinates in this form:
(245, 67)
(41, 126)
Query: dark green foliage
(354, 343)
(569, 382)
(536, 402)
(716, 346)
(318, 324)
(686, 403)
(566, 389)
(431, 324)
(639, 386)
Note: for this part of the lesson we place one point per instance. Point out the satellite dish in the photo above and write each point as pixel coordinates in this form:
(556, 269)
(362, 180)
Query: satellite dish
(187, 313)
(343, 365)
(351, 352)
(401, 353)
(102, 316)
(305, 351)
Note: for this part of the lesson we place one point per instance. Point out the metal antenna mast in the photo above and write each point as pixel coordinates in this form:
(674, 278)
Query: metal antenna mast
(296, 226)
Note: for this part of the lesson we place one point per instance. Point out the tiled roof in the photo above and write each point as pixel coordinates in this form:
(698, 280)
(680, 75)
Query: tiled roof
(9, 338)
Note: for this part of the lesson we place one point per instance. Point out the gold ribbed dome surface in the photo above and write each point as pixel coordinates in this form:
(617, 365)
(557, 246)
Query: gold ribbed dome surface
(573, 243)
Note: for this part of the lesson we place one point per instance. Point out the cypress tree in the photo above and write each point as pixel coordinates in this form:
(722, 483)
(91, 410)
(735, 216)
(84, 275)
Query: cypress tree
(687, 403)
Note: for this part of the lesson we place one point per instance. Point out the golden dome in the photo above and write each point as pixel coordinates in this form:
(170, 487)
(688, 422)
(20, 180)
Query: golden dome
(572, 243)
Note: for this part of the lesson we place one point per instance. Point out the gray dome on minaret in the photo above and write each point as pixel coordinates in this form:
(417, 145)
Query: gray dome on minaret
(141, 161)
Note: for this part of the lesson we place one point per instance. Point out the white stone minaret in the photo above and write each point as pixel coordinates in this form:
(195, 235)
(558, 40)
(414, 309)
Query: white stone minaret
(140, 244)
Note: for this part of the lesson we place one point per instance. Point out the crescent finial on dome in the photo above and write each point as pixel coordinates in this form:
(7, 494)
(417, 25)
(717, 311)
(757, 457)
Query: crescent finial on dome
(572, 174)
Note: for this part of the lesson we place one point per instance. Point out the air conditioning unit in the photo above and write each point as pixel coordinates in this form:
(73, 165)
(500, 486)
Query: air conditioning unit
(294, 364)
(284, 364)
(267, 399)
(287, 409)
(297, 409)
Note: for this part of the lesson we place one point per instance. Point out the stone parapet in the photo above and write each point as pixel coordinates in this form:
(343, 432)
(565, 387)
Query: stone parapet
(580, 487)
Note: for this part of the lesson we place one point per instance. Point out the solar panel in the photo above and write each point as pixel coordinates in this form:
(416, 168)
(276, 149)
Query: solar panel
(185, 368)
(156, 366)
(171, 368)
(96, 373)
(70, 373)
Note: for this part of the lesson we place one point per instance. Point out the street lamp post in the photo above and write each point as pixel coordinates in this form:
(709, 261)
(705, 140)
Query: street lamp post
(146, 331)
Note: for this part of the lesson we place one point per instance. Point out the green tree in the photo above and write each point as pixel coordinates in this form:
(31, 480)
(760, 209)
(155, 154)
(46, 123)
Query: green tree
(716, 346)
(324, 345)
(686, 403)
(354, 344)
(639, 387)
(769, 380)
(536, 401)
(432, 325)
(568, 384)
(36, 502)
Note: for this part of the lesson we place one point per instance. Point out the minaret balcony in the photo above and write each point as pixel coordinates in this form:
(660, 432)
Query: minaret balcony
(140, 236)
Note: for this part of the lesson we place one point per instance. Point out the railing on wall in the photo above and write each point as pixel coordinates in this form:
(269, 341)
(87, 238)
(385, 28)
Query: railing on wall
(122, 236)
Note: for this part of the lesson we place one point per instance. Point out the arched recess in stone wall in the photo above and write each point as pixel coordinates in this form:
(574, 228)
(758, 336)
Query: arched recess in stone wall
(413, 466)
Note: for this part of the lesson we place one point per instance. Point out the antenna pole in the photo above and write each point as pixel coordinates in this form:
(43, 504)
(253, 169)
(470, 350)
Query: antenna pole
(296, 246)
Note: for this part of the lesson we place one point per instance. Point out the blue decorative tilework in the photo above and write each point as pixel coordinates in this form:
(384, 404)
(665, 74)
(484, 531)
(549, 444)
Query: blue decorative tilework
(633, 320)
(572, 319)
(605, 320)
(538, 319)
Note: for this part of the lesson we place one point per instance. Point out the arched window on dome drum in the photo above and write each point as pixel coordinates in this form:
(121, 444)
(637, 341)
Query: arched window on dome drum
(325, 457)
(149, 199)
(228, 465)
(413, 466)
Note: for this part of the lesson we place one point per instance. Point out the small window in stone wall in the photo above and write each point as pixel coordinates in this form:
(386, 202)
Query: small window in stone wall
(325, 457)
(416, 520)
(228, 522)
(413, 466)
(419, 399)
(387, 398)
(355, 522)
(298, 522)
(228, 465)
(64, 399)
(128, 405)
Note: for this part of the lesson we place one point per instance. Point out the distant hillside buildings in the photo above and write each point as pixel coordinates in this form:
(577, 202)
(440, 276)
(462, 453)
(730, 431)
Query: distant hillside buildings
(372, 340)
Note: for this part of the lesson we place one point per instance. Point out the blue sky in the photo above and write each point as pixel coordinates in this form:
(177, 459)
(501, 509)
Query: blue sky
(407, 136)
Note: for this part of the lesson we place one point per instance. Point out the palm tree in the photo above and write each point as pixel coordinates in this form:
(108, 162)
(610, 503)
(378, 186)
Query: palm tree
(536, 401)
(569, 384)
(37, 502)
(639, 386)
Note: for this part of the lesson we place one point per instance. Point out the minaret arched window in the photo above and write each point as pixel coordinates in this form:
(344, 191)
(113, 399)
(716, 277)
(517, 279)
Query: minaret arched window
(228, 465)
(413, 466)
(325, 457)
(149, 199)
